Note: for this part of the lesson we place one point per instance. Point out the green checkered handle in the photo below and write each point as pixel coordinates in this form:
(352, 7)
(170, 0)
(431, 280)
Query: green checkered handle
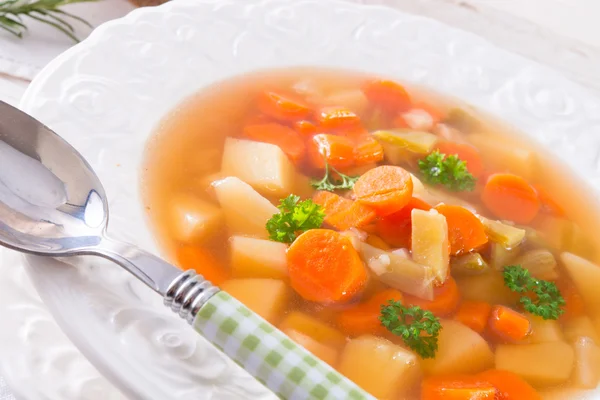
(265, 352)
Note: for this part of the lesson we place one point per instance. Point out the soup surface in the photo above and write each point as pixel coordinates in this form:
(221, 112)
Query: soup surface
(421, 248)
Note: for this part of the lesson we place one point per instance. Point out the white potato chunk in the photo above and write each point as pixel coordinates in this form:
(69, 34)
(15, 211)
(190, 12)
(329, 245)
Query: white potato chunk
(193, 219)
(587, 363)
(585, 276)
(246, 211)
(488, 287)
(540, 364)
(266, 297)
(461, 350)
(380, 367)
(578, 327)
(544, 330)
(501, 153)
(258, 258)
(430, 242)
(263, 166)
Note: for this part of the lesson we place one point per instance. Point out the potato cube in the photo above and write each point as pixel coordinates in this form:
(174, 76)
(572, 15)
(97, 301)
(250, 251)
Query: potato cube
(326, 353)
(501, 153)
(544, 330)
(310, 326)
(246, 211)
(263, 166)
(430, 242)
(354, 99)
(585, 276)
(380, 367)
(578, 327)
(258, 258)
(461, 350)
(193, 219)
(541, 364)
(266, 297)
(488, 287)
(587, 363)
(500, 256)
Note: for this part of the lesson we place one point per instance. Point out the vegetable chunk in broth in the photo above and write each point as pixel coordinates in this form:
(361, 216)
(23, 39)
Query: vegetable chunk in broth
(421, 248)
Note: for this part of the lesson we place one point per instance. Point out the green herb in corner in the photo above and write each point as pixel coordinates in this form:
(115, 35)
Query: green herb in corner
(329, 184)
(418, 328)
(449, 171)
(539, 297)
(295, 217)
(48, 12)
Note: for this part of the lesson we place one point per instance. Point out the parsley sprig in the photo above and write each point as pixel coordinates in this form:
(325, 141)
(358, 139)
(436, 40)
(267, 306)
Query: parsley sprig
(539, 297)
(450, 171)
(329, 184)
(295, 217)
(418, 328)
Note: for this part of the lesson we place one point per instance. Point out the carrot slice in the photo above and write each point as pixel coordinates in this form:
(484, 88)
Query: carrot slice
(342, 213)
(388, 95)
(395, 229)
(457, 387)
(510, 197)
(337, 150)
(445, 299)
(203, 262)
(367, 150)
(474, 314)
(305, 128)
(337, 118)
(386, 188)
(324, 267)
(547, 203)
(283, 107)
(508, 325)
(574, 306)
(287, 139)
(465, 230)
(466, 153)
(364, 318)
(510, 386)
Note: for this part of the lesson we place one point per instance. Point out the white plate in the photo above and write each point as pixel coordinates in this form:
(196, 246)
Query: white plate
(106, 94)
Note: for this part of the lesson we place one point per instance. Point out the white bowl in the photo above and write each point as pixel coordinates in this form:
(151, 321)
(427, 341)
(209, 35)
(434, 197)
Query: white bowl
(106, 94)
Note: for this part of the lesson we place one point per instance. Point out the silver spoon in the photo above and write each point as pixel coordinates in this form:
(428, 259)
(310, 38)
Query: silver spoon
(53, 204)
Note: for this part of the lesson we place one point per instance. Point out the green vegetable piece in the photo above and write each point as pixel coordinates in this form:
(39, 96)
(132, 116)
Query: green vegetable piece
(547, 301)
(295, 217)
(463, 120)
(418, 328)
(449, 171)
(413, 141)
(327, 183)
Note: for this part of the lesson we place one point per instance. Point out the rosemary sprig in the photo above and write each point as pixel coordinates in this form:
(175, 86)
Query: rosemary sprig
(45, 11)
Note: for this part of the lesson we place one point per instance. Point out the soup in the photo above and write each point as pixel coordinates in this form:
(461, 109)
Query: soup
(419, 247)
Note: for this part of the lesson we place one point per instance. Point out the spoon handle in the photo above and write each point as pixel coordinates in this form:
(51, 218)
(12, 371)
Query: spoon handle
(265, 352)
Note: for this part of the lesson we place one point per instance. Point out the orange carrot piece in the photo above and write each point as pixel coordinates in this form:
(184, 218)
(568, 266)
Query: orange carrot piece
(395, 229)
(337, 118)
(305, 128)
(388, 95)
(465, 231)
(574, 306)
(284, 107)
(386, 188)
(547, 203)
(474, 314)
(466, 153)
(337, 150)
(287, 139)
(324, 267)
(203, 262)
(509, 385)
(341, 213)
(510, 197)
(445, 299)
(363, 319)
(508, 325)
(257, 119)
(367, 150)
(457, 387)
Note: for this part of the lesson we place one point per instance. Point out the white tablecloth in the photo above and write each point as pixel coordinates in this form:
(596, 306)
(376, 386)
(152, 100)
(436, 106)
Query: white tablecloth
(565, 35)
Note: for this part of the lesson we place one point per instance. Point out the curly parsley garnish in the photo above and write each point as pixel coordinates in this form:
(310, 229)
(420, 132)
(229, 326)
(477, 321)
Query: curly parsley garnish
(295, 217)
(329, 184)
(539, 297)
(419, 329)
(449, 171)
